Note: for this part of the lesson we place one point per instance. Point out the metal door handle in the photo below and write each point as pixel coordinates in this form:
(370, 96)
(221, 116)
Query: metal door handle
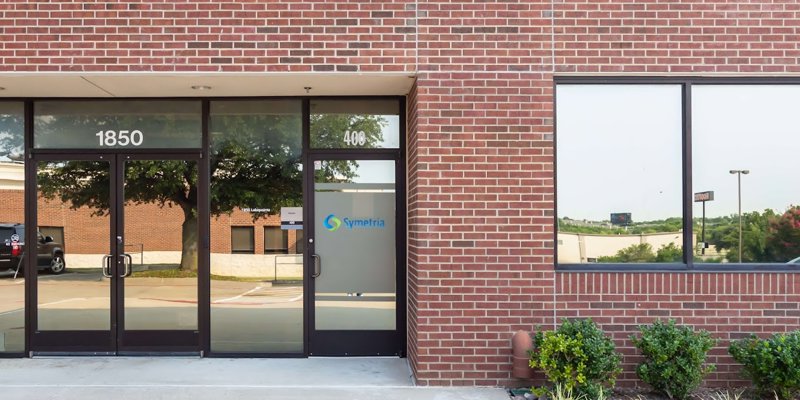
(106, 266)
(317, 265)
(127, 261)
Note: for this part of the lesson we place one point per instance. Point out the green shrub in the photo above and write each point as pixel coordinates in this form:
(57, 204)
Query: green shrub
(772, 364)
(673, 357)
(577, 357)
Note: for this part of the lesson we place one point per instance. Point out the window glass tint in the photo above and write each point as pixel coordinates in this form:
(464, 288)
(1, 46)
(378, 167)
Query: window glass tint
(5, 234)
(299, 246)
(12, 170)
(619, 179)
(255, 165)
(12, 132)
(276, 240)
(745, 145)
(355, 124)
(242, 239)
(55, 232)
(127, 124)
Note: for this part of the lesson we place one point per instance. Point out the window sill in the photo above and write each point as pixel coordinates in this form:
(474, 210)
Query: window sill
(652, 267)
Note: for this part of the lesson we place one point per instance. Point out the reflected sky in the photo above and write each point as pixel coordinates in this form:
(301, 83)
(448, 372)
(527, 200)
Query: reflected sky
(619, 149)
(756, 128)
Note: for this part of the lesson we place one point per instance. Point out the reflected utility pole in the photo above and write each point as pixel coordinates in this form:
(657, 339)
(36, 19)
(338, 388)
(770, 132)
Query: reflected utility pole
(704, 197)
(739, 173)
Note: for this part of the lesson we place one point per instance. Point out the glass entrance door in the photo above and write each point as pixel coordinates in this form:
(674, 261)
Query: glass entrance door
(157, 255)
(354, 255)
(122, 278)
(74, 304)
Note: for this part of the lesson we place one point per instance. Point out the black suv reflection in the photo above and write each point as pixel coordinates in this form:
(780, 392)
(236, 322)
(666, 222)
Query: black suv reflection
(50, 255)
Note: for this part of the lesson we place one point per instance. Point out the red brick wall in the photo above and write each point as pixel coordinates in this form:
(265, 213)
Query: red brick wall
(729, 305)
(210, 35)
(676, 37)
(480, 173)
(156, 228)
(481, 232)
(412, 285)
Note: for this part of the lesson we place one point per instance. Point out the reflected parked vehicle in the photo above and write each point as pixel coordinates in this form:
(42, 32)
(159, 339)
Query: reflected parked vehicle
(794, 261)
(50, 255)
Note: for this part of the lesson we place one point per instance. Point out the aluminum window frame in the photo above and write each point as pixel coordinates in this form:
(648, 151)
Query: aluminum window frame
(688, 264)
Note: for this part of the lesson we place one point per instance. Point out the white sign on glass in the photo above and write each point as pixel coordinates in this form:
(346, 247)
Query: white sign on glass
(112, 138)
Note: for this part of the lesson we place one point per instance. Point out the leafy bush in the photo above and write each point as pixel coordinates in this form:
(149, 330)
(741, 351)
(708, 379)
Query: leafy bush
(669, 253)
(577, 357)
(642, 252)
(673, 357)
(772, 364)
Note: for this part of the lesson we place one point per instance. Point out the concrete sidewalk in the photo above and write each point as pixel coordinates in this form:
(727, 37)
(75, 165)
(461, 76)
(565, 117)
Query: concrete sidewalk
(153, 378)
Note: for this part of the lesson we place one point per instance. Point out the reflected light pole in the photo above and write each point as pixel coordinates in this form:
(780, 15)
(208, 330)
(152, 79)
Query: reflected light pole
(739, 173)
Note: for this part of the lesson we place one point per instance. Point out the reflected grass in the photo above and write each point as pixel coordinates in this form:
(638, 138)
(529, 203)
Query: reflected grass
(173, 271)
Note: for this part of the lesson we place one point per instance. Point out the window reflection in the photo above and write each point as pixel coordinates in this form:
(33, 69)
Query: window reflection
(12, 281)
(256, 292)
(353, 124)
(123, 124)
(619, 183)
(744, 149)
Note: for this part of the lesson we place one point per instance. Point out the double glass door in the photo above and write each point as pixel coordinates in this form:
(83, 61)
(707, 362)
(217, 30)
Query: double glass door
(129, 282)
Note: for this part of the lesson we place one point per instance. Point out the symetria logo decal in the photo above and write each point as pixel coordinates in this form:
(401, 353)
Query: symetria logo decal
(332, 223)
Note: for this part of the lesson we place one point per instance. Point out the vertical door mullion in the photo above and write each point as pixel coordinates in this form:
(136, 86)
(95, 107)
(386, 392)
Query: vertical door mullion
(117, 289)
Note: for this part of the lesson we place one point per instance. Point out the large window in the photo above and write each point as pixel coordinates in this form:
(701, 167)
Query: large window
(12, 213)
(255, 162)
(123, 124)
(626, 181)
(745, 145)
(619, 173)
(355, 124)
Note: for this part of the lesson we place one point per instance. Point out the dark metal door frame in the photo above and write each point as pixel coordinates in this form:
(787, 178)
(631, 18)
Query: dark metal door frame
(358, 342)
(116, 340)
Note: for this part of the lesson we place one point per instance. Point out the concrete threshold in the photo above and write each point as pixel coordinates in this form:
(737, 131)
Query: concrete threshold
(153, 378)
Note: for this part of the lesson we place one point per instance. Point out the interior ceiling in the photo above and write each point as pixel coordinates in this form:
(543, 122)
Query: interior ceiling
(221, 85)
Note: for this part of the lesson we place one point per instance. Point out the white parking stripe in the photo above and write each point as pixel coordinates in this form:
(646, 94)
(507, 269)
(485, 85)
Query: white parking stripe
(239, 296)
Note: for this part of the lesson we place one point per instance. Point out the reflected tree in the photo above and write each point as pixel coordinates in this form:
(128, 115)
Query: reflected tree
(783, 238)
(255, 162)
(723, 233)
(327, 131)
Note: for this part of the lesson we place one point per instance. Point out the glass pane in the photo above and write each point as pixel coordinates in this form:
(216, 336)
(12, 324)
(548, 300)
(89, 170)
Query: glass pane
(299, 242)
(160, 216)
(56, 234)
(257, 299)
(128, 124)
(744, 150)
(242, 239)
(354, 208)
(12, 283)
(76, 297)
(276, 240)
(355, 124)
(619, 173)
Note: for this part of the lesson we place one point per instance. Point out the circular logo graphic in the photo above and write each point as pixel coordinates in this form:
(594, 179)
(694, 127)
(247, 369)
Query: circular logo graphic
(332, 223)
